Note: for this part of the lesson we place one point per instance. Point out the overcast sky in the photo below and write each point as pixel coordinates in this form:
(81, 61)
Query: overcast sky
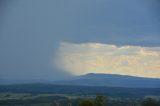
(32, 32)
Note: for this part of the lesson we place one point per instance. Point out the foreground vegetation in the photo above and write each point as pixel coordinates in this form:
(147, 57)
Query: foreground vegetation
(67, 95)
(48, 99)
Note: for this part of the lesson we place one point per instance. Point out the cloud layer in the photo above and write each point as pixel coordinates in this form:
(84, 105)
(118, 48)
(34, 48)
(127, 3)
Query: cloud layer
(105, 58)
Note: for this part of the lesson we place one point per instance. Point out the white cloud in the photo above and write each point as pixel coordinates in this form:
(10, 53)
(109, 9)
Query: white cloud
(105, 58)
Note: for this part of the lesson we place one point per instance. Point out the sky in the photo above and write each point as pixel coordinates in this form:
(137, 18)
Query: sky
(51, 39)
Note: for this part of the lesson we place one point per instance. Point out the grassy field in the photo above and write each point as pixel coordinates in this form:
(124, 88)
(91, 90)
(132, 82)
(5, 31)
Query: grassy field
(25, 96)
(51, 99)
(45, 99)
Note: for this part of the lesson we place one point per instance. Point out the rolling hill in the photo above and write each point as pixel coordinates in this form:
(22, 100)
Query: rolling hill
(112, 80)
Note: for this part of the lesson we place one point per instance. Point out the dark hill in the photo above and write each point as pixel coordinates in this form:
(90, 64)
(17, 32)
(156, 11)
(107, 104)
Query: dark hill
(113, 80)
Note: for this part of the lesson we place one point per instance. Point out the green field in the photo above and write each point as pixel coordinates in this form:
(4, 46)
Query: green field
(28, 99)
(50, 99)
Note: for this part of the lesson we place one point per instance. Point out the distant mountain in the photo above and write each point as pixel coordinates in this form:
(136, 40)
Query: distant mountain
(92, 79)
(113, 80)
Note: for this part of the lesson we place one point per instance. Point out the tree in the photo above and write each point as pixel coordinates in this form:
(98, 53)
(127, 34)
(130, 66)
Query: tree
(149, 102)
(86, 103)
(99, 101)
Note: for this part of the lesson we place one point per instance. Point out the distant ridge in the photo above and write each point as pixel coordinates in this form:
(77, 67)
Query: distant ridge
(113, 80)
(80, 90)
(96, 79)
(103, 74)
